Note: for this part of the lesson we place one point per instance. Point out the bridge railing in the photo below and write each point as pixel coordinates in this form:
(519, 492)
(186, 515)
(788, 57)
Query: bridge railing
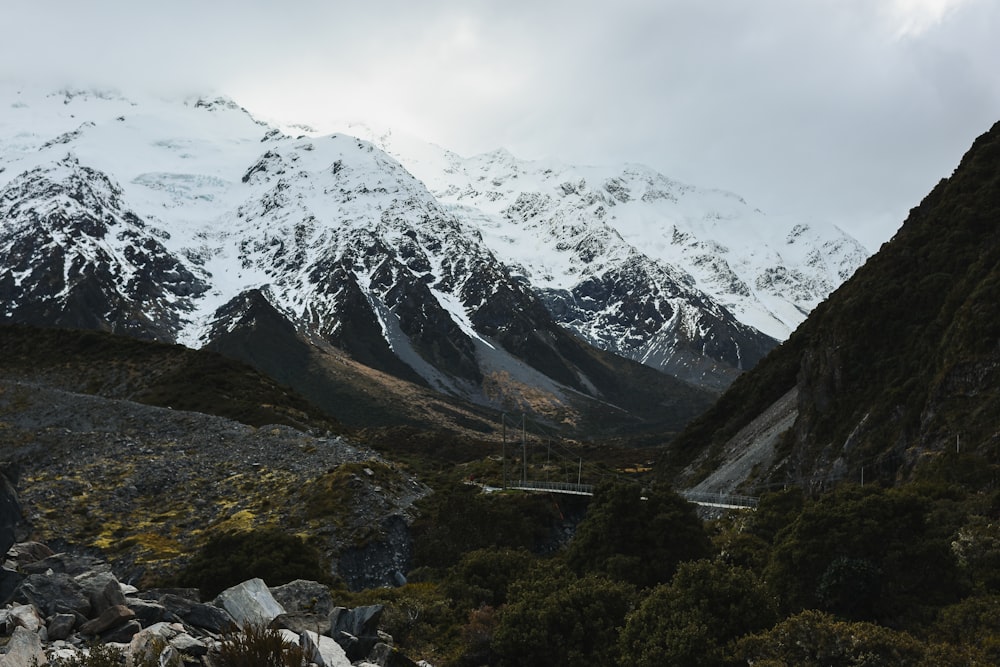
(565, 487)
(724, 499)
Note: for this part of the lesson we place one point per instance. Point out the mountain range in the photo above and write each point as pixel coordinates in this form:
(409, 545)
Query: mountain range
(584, 296)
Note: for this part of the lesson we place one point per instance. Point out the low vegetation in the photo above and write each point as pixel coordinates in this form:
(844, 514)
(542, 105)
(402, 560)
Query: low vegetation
(896, 575)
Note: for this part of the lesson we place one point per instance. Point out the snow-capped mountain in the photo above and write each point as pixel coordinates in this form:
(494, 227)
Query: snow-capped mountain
(637, 263)
(194, 222)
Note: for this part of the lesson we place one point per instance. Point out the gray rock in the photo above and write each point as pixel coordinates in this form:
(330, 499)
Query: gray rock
(250, 602)
(61, 626)
(309, 650)
(67, 564)
(122, 634)
(305, 596)
(200, 615)
(24, 650)
(102, 589)
(111, 618)
(384, 655)
(331, 654)
(56, 593)
(148, 643)
(156, 594)
(27, 617)
(30, 552)
(359, 622)
(302, 622)
(146, 612)
(171, 657)
(188, 645)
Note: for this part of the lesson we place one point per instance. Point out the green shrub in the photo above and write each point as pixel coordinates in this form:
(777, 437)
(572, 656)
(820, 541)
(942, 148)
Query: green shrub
(691, 621)
(555, 618)
(483, 577)
(231, 558)
(637, 536)
(461, 519)
(257, 646)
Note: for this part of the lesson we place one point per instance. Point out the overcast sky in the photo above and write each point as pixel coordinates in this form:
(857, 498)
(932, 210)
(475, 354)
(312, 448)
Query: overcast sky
(842, 110)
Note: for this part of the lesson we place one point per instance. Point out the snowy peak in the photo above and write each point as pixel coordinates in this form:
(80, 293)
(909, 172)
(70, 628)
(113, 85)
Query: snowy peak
(768, 272)
(78, 256)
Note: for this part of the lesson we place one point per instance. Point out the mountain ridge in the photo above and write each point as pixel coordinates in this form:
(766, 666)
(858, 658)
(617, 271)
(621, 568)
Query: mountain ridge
(896, 372)
(205, 212)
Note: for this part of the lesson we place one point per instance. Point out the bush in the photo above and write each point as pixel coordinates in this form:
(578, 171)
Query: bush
(483, 577)
(815, 639)
(458, 520)
(554, 618)
(258, 646)
(691, 621)
(867, 554)
(268, 553)
(637, 536)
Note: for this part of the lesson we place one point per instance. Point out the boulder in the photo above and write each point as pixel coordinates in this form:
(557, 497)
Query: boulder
(359, 622)
(250, 602)
(385, 655)
(56, 593)
(156, 594)
(188, 645)
(122, 634)
(111, 618)
(146, 612)
(64, 563)
(356, 630)
(302, 622)
(61, 626)
(29, 552)
(149, 643)
(171, 657)
(24, 650)
(325, 651)
(102, 589)
(200, 615)
(304, 596)
(26, 616)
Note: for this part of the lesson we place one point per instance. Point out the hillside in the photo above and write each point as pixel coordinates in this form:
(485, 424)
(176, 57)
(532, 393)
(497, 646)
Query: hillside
(896, 370)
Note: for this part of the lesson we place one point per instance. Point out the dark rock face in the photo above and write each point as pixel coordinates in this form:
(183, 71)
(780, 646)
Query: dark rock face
(56, 593)
(10, 508)
(378, 562)
(639, 311)
(304, 596)
(61, 272)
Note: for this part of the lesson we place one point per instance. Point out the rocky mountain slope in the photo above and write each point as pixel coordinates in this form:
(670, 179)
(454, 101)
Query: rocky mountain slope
(147, 485)
(896, 372)
(681, 278)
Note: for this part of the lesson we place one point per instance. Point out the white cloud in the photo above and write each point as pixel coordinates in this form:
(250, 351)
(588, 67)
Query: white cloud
(848, 109)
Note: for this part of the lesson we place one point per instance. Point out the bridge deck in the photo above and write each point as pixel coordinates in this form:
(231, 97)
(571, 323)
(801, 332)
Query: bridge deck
(699, 498)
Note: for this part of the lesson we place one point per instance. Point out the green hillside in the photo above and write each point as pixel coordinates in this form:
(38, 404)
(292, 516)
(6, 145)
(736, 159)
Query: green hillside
(900, 364)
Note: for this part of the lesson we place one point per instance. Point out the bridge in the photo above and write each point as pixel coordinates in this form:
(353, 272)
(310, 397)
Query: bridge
(574, 469)
(721, 500)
